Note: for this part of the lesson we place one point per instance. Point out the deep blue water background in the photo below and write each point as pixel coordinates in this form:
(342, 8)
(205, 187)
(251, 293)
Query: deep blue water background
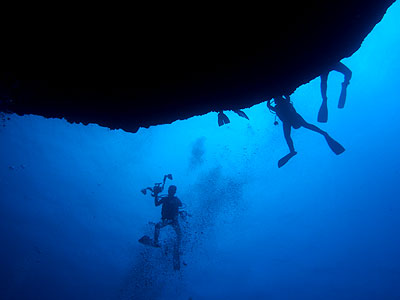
(321, 227)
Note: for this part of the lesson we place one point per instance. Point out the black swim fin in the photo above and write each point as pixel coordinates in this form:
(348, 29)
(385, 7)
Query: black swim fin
(241, 114)
(146, 240)
(285, 159)
(334, 145)
(323, 112)
(343, 94)
(222, 119)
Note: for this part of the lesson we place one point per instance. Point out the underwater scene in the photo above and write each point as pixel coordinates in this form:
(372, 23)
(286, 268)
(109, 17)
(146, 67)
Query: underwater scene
(194, 210)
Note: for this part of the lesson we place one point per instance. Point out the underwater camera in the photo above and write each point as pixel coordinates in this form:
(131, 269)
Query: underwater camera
(158, 187)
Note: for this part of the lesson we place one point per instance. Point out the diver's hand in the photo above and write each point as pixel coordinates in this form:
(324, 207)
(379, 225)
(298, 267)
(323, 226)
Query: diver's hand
(157, 189)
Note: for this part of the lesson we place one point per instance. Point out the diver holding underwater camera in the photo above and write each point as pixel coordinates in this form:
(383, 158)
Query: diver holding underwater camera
(169, 216)
(157, 186)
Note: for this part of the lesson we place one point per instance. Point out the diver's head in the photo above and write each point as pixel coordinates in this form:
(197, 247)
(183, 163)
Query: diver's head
(171, 190)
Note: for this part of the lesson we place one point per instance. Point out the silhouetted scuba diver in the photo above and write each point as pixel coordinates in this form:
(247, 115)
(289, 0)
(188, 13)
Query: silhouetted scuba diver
(169, 216)
(223, 119)
(290, 118)
(339, 67)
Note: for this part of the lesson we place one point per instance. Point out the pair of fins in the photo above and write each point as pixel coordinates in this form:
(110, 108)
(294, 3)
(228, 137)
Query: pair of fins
(334, 145)
(223, 119)
(323, 111)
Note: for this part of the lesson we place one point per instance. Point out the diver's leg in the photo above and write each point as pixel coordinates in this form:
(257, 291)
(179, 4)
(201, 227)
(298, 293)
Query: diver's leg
(340, 67)
(323, 110)
(286, 133)
(312, 127)
(289, 141)
(178, 232)
(157, 228)
(176, 257)
(324, 85)
(334, 145)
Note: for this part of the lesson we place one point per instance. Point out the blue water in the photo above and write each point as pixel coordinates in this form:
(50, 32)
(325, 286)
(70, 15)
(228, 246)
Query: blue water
(321, 227)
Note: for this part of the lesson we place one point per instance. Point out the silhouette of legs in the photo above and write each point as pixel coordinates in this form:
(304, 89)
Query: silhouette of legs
(157, 228)
(176, 255)
(314, 128)
(324, 85)
(287, 128)
(178, 232)
(334, 145)
(323, 111)
(286, 132)
(177, 228)
(341, 68)
(162, 224)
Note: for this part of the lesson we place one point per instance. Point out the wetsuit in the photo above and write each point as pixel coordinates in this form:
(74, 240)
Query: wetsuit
(169, 215)
(290, 118)
(286, 112)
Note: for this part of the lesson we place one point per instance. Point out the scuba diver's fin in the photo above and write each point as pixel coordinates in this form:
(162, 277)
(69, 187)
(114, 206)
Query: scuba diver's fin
(334, 145)
(146, 240)
(241, 114)
(222, 119)
(343, 94)
(323, 112)
(285, 159)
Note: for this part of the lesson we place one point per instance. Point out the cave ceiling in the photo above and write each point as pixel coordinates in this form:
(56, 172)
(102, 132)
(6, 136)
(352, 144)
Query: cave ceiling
(190, 64)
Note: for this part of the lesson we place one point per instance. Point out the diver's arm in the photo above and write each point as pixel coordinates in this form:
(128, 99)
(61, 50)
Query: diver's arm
(270, 106)
(157, 202)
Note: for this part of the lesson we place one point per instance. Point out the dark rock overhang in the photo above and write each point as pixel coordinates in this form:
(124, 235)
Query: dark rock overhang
(195, 65)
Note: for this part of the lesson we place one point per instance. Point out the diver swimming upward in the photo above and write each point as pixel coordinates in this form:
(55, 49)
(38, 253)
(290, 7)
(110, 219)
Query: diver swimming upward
(290, 118)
